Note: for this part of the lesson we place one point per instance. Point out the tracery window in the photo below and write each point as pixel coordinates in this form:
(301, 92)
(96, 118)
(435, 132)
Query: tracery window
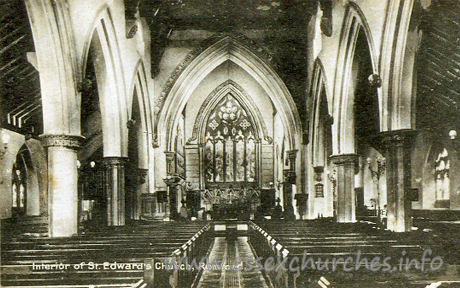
(442, 167)
(19, 187)
(230, 144)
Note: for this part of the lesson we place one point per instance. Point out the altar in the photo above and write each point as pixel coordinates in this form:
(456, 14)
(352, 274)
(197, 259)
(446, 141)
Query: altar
(231, 203)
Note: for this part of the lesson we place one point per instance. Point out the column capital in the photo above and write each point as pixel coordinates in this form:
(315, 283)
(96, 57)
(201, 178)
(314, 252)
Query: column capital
(68, 141)
(342, 159)
(291, 154)
(397, 138)
(170, 155)
(114, 160)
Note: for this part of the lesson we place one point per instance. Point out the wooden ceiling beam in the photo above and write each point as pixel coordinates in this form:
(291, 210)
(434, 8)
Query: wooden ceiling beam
(8, 64)
(16, 41)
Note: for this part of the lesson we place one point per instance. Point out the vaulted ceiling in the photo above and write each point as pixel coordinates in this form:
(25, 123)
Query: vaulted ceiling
(438, 65)
(20, 102)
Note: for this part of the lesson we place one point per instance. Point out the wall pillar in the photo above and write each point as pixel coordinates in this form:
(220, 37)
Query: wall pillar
(397, 146)
(289, 180)
(62, 184)
(172, 196)
(345, 185)
(287, 195)
(172, 179)
(114, 189)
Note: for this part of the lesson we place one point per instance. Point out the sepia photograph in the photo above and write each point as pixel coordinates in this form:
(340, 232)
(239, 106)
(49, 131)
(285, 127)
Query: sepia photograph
(230, 143)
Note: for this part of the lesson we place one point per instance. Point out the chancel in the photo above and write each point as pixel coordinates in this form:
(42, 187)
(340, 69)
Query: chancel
(316, 134)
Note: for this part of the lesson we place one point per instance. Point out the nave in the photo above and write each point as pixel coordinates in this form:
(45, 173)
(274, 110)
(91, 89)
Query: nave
(133, 130)
(24, 257)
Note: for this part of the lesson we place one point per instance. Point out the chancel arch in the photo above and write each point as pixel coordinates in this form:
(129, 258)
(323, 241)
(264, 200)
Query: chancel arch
(229, 53)
(230, 79)
(223, 50)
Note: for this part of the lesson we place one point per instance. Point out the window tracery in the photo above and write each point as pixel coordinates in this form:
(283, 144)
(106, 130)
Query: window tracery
(442, 167)
(230, 144)
(19, 187)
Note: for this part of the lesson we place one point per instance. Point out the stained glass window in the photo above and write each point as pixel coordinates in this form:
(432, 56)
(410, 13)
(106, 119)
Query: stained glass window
(19, 185)
(230, 148)
(442, 166)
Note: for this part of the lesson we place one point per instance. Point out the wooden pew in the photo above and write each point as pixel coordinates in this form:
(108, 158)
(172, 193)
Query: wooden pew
(328, 240)
(21, 255)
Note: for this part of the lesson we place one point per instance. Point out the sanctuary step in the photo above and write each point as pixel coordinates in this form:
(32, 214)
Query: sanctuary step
(102, 257)
(35, 226)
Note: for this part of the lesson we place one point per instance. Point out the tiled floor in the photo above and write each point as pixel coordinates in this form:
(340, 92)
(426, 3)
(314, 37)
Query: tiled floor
(225, 252)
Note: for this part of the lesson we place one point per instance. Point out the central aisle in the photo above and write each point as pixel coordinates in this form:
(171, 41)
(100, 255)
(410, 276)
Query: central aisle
(225, 252)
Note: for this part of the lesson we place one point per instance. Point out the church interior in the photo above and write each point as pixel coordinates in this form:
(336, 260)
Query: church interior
(139, 132)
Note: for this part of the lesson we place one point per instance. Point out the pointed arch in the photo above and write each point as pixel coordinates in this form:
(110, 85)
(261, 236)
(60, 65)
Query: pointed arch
(139, 92)
(320, 78)
(58, 65)
(320, 103)
(215, 97)
(221, 51)
(397, 64)
(354, 22)
(26, 181)
(111, 84)
(139, 88)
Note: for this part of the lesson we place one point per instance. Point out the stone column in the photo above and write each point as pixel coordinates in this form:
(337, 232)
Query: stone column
(62, 184)
(289, 180)
(287, 195)
(171, 208)
(345, 185)
(171, 180)
(397, 145)
(114, 189)
(291, 155)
